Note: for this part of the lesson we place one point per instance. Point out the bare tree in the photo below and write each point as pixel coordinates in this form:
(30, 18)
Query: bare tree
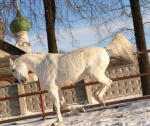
(1, 31)
(141, 45)
(50, 16)
(100, 15)
(6, 10)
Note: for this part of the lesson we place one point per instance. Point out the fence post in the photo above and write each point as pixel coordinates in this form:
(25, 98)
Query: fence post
(42, 102)
(22, 100)
(88, 90)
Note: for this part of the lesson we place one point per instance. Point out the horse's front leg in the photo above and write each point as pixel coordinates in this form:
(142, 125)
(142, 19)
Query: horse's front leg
(53, 91)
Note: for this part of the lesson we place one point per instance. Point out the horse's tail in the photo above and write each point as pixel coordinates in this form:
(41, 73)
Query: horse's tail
(121, 47)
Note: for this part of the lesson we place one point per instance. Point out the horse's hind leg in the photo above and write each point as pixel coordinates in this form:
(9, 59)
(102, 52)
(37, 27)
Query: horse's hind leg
(97, 92)
(106, 82)
(101, 90)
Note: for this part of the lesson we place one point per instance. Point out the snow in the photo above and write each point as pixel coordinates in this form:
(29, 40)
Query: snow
(128, 114)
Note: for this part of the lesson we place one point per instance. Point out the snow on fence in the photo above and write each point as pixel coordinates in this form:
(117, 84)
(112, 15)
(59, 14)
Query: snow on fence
(88, 85)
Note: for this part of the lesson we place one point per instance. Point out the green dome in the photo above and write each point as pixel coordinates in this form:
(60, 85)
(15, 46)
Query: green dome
(20, 23)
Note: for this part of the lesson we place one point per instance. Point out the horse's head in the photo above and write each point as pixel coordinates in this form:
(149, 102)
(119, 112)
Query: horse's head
(20, 71)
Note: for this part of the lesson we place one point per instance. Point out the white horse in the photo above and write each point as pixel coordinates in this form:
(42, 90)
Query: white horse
(58, 70)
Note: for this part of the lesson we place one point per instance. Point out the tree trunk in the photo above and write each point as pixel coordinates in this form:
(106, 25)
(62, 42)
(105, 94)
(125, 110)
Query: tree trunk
(1, 31)
(141, 45)
(50, 12)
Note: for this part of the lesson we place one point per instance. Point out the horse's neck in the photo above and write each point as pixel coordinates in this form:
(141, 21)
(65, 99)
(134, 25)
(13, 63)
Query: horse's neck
(32, 61)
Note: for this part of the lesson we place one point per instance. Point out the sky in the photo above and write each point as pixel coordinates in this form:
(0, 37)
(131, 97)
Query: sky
(84, 34)
(84, 37)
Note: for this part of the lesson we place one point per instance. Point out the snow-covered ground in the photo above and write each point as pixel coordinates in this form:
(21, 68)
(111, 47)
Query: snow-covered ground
(129, 114)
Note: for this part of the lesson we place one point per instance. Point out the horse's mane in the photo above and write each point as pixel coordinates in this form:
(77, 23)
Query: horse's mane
(32, 54)
(42, 53)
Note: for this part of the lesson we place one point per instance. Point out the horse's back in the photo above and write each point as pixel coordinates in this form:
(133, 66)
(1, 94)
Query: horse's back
(83, 56)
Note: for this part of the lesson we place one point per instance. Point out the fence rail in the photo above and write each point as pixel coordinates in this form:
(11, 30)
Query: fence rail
(43, 114)
(73, 86)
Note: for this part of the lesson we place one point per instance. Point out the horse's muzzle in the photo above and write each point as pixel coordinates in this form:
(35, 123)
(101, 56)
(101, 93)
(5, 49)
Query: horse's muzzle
(24, 80)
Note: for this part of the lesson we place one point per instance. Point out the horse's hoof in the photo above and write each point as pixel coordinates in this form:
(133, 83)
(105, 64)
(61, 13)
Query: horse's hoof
(76, 109)
(100, 100)
(81, 109)
(56, 123)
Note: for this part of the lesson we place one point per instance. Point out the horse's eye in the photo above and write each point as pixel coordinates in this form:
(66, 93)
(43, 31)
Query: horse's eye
(13, 70)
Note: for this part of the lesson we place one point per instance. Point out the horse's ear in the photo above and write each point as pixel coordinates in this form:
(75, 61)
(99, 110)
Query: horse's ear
(11, 62)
